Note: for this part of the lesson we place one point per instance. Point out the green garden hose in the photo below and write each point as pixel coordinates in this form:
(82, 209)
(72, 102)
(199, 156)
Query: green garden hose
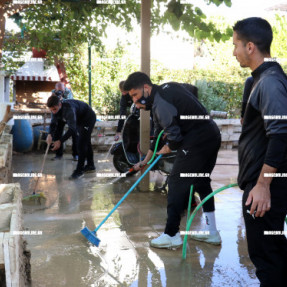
(155, 149)
(188, 224)
(189, 203)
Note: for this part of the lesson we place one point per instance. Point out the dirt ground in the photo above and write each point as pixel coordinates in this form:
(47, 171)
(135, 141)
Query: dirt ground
(61, 256)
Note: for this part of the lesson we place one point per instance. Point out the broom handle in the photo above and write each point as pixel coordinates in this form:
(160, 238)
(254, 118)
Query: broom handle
(42, 168)
(45, 156)
(128, 192)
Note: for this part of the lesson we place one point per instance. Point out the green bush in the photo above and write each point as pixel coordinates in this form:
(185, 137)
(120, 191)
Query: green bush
(208, 98)
(225, 85)
(222, 81)
(108, 69)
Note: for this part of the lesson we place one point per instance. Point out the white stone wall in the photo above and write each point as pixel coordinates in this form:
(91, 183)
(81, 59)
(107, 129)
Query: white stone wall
(11, 241)
(103, 135)
(104, 131)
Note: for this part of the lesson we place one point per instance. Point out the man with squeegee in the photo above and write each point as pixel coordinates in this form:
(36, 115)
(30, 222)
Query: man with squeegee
(196, 137)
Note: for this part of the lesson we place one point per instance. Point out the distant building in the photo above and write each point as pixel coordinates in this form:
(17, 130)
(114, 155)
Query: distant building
(33, 82)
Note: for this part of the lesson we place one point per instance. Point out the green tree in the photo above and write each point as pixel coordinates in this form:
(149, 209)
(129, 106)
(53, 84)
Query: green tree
(7, 8)
(279, 44)
(60, 26)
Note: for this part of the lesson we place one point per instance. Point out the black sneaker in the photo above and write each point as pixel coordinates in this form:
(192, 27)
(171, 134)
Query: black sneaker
(76, 174)
(57, 157)
(89, 168)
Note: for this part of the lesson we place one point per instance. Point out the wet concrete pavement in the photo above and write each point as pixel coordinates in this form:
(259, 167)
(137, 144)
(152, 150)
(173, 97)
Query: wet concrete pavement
(61, 256)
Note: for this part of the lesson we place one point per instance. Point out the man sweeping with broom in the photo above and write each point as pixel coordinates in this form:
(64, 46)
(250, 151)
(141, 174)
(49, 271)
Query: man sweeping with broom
(195, 136)
(80, 118)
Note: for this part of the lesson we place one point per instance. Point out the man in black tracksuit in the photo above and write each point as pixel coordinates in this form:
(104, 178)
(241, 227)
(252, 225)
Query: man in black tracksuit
(125, 102)
(80, 119)
(197, 142)
(65, 94)
(263, 152)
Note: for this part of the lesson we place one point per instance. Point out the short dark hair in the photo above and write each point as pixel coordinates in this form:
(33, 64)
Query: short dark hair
(53, 101)
(121, 85)
(136, 80)
(255, 30)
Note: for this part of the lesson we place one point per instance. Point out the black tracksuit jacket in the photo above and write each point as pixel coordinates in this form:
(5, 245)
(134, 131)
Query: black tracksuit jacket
(171, 102)
(264, 140)
(74, 113)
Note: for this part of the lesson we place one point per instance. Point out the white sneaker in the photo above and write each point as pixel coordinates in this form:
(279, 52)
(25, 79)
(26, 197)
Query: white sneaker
(212, 238)
(166, 241)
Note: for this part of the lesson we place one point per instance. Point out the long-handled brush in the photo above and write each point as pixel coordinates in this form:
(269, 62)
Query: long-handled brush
(40, 195)
(91, 235)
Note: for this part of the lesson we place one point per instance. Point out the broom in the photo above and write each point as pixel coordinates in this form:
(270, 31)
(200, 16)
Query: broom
(91, 235)
(40, 195)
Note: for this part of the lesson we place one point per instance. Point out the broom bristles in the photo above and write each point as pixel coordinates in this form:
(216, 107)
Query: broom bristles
(34, 196)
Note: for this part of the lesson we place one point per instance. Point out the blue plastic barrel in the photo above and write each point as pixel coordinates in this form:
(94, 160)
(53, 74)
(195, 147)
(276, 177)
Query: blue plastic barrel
(22, 136)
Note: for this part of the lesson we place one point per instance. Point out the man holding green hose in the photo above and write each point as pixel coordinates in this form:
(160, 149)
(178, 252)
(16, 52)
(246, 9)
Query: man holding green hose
(196, 137)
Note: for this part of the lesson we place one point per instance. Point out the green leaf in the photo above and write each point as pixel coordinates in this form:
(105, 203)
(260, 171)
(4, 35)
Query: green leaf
(228, 3)
(229, 31)
(217, 36)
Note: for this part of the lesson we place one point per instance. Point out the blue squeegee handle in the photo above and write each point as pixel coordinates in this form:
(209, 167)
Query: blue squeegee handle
(128, 192)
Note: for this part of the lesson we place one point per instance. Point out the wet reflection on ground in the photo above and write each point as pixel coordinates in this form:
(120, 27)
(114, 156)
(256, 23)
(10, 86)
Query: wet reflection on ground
(61, 256)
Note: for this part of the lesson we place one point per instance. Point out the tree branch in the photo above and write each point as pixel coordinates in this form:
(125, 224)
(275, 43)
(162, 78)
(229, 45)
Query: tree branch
(6, 11)
(11, 9)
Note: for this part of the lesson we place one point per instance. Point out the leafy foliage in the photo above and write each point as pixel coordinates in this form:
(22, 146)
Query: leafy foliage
(60, 26)
(224, 86)
(108, 69)
(208, 97)
(221, 88)
(65, 28)
(279, 44)
(192, 19)
(8, 59)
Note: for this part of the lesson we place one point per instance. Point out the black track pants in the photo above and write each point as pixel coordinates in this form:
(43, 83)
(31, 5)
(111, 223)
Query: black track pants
(268, 252)
(59, 151)
(85, 149)
(197, 159)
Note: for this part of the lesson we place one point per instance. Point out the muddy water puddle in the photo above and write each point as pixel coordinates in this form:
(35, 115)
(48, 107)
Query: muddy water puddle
(61, 256)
